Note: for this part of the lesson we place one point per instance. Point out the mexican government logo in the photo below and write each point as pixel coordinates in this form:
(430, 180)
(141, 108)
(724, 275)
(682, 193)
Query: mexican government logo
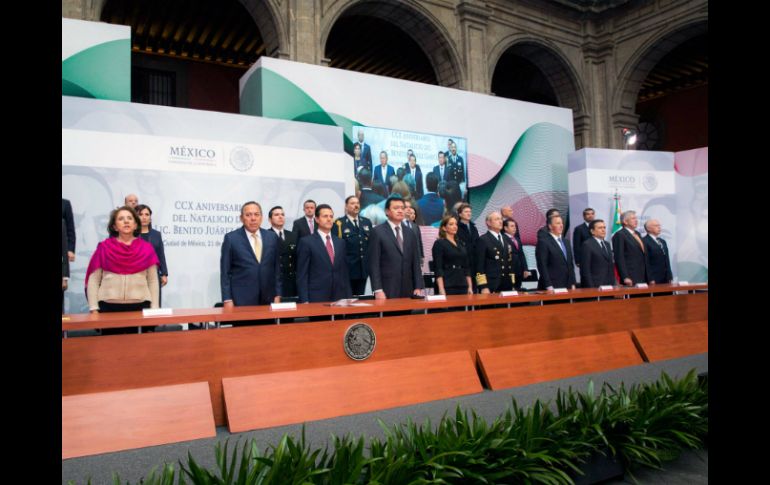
(650, 182)
(241, 159)
(359, 341)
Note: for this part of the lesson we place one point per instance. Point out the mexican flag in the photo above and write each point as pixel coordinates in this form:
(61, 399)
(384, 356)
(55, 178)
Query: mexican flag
(616, 221)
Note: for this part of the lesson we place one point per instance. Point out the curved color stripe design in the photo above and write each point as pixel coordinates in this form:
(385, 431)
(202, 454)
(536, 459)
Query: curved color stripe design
(102, 71)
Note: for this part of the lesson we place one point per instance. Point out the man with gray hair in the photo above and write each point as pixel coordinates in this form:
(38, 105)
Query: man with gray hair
(493, 258)
(656, 251)
(630, 258)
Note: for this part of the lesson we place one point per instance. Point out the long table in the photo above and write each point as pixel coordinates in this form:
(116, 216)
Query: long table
(117, 362)
(90, 321)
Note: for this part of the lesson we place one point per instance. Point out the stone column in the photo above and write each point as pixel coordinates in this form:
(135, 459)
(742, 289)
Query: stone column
(597, 53)
(304, 31)
(474, 16)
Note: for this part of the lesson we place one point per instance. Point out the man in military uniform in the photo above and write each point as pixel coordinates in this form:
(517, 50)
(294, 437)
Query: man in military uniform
(456, 165)
(494, 258)
(355, 230)
(288, 251)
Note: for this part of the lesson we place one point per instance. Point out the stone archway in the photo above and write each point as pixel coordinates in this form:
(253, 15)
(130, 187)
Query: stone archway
(270, 25)
(557, 71)
(417, 22)
(638, 67)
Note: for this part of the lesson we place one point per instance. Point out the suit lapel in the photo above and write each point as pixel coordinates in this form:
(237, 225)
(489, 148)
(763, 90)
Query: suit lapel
(392, 236)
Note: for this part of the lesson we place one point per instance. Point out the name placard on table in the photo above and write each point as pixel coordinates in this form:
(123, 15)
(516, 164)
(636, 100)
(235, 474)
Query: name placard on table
(157, 312)
(283, 306)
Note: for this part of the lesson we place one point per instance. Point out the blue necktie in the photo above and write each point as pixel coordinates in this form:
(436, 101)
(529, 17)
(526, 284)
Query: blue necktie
(563, 248)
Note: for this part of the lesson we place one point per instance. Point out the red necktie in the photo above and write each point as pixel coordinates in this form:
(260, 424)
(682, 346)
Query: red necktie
(329, 248)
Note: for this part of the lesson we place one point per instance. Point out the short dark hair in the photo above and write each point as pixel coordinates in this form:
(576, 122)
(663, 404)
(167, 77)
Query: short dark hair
(431, 182)
(140, 207)
(384, 152)
(322, 206)
(550, 219)
(391, 199)
(518, 229)
(592, 224)
(347, 199)
(365, 178)
(550, 212)
(441, 153)
(587, 209)
(462, 207)
(251, 202)
(114, 216)
(309, 200)
(270, 214)
(356, 144)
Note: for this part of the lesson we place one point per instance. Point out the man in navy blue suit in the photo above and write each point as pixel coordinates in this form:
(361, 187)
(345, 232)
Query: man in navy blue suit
(366, 150)
(383, 171)
(441, 170)
(656, 252)
(431, 206)
(322, 270)
(554, 258)
(250, 271)
(411, 168)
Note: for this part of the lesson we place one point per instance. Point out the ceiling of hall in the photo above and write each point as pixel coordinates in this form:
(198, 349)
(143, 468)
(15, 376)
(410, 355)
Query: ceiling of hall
(223, 32)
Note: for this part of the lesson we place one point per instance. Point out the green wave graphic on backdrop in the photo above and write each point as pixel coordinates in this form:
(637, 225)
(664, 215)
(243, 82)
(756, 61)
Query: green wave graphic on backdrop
(537, 164)
(102, 71)
(287, 101)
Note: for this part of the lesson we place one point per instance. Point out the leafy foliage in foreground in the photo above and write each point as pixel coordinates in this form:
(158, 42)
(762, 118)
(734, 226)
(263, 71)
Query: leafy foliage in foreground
(645, 425)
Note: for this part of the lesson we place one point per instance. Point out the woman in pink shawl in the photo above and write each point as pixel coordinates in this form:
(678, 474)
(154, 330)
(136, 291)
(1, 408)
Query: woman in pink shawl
(122, 275)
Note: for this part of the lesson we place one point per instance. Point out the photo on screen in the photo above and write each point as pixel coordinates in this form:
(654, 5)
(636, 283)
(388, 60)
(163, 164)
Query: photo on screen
(426, 169)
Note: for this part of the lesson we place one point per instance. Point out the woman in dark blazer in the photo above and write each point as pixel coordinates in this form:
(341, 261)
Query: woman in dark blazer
(511, 229)
(450, 257)
(156, 239)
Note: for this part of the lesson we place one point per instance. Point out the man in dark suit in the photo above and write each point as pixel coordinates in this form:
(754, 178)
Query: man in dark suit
(411, 168)
(65, 262)
(597, 267)
(366, 150)
(544, 231)
(288, 251)
(554, 258)
(305, 226)
(355, 231)
(441, 170)
(69, 222)
(581, 233)
(250, 267)
(431, 206)
(394, 260)
(628, 247)
(456, 165)
(368, 196)
(383, 172)
(494, 258)
(410, 217)
(322, 270)
(656, 251)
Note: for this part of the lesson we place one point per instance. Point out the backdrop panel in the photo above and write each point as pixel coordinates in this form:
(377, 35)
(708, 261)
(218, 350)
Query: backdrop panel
(194, 185)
